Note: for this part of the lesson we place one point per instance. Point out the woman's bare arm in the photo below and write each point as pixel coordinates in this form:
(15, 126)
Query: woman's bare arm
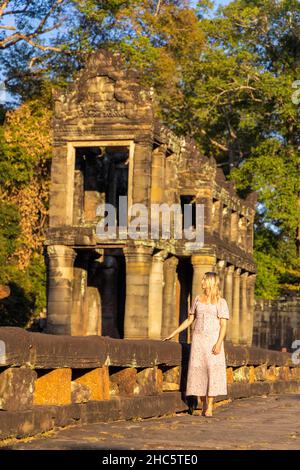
(222, 333)
(181, 327)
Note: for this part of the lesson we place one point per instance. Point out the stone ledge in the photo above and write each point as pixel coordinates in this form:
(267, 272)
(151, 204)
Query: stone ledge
(45, 418)
(45, 351)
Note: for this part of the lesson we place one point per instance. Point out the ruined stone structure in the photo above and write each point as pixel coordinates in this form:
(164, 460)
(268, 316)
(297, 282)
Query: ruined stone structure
(277, 323)
(108, 143)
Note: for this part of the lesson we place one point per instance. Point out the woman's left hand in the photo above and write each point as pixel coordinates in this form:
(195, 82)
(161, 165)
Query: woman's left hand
(216, 349)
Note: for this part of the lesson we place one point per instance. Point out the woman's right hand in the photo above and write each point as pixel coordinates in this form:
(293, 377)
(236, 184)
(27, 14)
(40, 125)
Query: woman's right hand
(168, 338)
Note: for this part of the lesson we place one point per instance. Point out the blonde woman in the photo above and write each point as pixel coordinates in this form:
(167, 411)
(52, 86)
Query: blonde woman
(207, 367)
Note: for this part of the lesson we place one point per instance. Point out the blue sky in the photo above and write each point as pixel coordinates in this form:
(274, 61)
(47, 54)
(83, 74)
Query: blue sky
(216, 2)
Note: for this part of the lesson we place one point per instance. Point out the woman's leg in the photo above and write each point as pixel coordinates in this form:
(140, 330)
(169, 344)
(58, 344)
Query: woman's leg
(209, 409)
(204, 403)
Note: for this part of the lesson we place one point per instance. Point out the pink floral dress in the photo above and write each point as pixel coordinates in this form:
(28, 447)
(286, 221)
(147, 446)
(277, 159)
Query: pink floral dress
(207, 371)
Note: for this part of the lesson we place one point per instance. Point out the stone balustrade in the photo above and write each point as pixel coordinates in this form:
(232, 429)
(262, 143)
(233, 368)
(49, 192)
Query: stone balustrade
(48, 381)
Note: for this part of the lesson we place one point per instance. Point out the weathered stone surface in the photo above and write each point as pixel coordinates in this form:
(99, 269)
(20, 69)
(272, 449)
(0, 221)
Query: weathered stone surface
(85, 352)
(257, 356)
(17, 346)
(172, 375)
(97, 411)
(241, 374)
(260, 372)
(113, 389)
(158, 405)
(235, 355)
(251, 375)
(80, 393)
(170, 386)
(16, 388)
(54, 351)
(272, 373)
(126, 380)
(272, 424)
(25, 423)
(284, 373)
(148, 382)
(295, 372)
(97, 380)
(229, 374)
(44, 418)
(53, 388)
(244, 390)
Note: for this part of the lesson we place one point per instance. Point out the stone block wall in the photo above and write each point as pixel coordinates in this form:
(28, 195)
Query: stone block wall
(277, 323)
(48, 381)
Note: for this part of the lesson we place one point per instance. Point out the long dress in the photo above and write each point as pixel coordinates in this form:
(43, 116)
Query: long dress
(207, 371)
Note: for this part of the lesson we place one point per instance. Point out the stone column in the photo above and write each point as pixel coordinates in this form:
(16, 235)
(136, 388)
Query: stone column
(141, 180)
(158, 174)
(156, 286)
(136, 320)
(221, 272)
(216, 209)
(109, 297)
(79, 304)
(251, 307)
(201, 264)
(242, 232)
(235, 329)
(142, 172)
(244, 311)
(249, 235)
(60, 288)
(228, 294)
(204, 196)
(169, 319)
(226, 213)
(234, 226)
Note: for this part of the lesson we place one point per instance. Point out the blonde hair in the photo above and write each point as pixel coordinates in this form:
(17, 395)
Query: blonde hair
(211, 286)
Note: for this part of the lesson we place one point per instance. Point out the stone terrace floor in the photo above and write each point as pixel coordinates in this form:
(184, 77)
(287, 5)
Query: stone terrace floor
(267, 422)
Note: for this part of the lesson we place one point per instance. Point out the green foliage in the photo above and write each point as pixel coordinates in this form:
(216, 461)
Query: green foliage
(9, 232)
(226, 79)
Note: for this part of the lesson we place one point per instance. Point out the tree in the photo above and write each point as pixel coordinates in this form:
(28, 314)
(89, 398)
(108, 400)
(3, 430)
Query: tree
(25, 155)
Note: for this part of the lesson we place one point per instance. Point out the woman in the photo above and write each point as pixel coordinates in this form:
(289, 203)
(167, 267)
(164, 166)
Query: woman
(207, 367)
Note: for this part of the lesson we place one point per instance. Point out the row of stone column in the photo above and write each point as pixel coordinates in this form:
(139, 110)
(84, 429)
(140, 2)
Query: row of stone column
(152, 293)
(232, 225)
(238, 289)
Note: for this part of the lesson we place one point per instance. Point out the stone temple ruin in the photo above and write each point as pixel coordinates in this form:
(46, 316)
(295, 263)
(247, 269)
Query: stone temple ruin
(108, 143)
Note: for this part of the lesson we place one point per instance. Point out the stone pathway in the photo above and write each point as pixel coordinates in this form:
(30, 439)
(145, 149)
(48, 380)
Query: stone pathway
(271, 422)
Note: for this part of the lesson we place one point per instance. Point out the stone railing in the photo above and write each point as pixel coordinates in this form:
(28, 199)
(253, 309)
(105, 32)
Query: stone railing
(49, 381)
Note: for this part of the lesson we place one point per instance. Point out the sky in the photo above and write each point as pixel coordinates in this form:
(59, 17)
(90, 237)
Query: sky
(216, 2)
